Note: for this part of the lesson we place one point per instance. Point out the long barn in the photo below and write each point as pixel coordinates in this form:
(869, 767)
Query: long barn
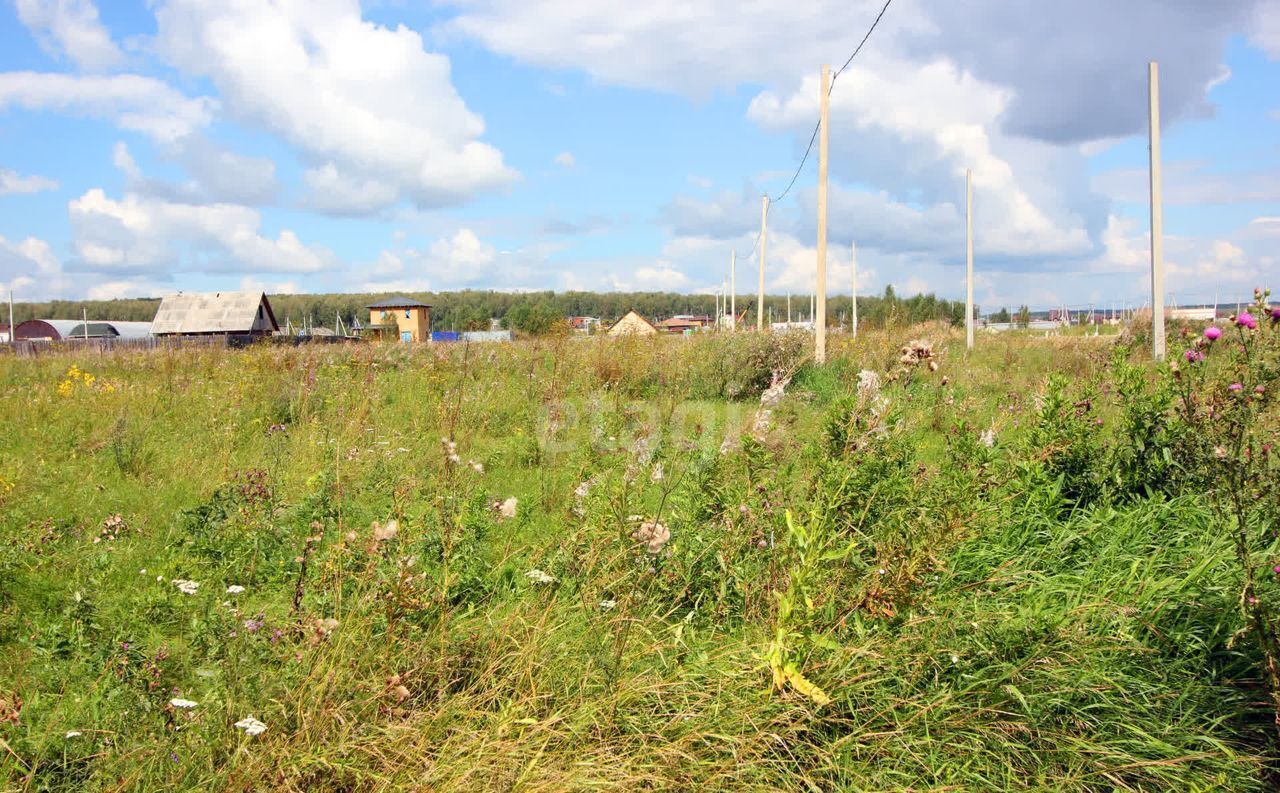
(215, 313)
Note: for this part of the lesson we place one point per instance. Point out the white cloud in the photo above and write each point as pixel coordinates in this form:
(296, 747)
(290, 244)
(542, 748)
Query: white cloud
(1265, 30)
(71, 28)
(452, 261)
(142, 234)
(141, 104)
(29, 269)
(336, 193)
(366, 102)
(251, 284)
(218, 175)
(565, 160)
(11, 183)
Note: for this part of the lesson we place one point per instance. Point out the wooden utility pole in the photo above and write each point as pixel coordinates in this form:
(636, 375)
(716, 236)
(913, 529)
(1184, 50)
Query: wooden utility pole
(733, 290)
(853, 325)
(968, 268)
(764, 239)
(820, 301)
(1157, 218)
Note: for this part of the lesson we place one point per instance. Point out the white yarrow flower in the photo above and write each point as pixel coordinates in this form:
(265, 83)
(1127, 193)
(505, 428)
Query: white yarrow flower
(234, 589)
(73, 733)
(988, 438)
(186, 587)
(539, 576)
(251, 726)
(507, 509)
(605, 605)
(178, 702)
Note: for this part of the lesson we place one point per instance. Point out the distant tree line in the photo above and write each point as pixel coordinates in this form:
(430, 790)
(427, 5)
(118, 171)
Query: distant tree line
(530, 312)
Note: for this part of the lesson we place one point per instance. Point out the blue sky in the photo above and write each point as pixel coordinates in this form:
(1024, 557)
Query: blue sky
(337, 146)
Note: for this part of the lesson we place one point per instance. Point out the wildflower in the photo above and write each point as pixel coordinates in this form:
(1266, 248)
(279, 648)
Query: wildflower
(1212, 332)
(653, 535)
(581, 491)
(1235, 387)
(988, 438)
(657, 474)
(477, 467)
(538, 577)
(917, 351)
(383, 533)
(178, 702)
(1276, 569)
(1193, 355)
(234, 589)
(605, 605)
(1275, 314)
(253, 625)
(73, 734)
(251, 726)
(327, 625)
(186, 587)
(762, 543)
(868, 384)
(506, 509)
(1260, 390)
(400, 693)
(1246, 320)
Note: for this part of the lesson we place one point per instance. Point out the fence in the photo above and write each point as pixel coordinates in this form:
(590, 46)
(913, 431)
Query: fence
(31, 349)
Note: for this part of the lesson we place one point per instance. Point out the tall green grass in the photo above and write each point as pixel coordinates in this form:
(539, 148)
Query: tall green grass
(976, 623)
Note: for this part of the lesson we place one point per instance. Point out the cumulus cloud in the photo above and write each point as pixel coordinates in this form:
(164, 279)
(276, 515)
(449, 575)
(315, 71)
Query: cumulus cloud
(29, 269)
(140, 104)
(12, 183)
(70, 28)
(367, 103)
(1070, 67)
(217, 175)
(140, 234)
(456, 260)
(565, 159)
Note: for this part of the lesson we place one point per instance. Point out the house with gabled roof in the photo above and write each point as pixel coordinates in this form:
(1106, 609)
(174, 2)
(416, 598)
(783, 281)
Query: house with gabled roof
(215, 313)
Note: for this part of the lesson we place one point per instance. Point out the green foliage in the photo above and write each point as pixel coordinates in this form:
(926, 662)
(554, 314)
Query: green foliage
(1027, 576)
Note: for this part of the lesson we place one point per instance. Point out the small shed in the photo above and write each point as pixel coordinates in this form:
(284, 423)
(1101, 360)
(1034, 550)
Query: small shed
(44, 329)
(632, 324)
(215, 313)
(401, 318)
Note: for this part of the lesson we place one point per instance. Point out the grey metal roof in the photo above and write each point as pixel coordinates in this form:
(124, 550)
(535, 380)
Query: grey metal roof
(62, 326)
(399, 301)
(119, 330)
(213, 312)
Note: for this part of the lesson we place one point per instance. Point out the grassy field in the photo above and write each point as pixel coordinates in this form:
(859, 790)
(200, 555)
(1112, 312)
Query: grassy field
(592, 564)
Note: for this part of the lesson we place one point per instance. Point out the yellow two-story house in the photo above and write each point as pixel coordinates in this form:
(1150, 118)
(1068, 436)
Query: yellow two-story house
(401, 318)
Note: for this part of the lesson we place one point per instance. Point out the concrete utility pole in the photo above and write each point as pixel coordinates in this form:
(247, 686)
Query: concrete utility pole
(13, 337)
(854, 324)
(84, 320)
(788, 311)
(1157, 218)
(968, 247)
(733, 290)
(764, 238)
(820, 304)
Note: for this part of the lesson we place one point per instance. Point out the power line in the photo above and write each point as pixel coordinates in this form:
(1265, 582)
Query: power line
(809, 149)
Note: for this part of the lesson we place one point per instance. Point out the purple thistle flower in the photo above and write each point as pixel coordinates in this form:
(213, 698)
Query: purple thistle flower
(1235, 387)
(1275, 313)
(1193, 355)
(1276, 569)
(1212, 332)
(1246, 320)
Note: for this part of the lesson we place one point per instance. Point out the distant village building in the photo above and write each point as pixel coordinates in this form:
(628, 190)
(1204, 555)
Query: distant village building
(111, 330)
(632, 324)
(584, 324)
(684, 323)
(215, 313)
(44, 329)
(1200, 314)
(401, 318)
